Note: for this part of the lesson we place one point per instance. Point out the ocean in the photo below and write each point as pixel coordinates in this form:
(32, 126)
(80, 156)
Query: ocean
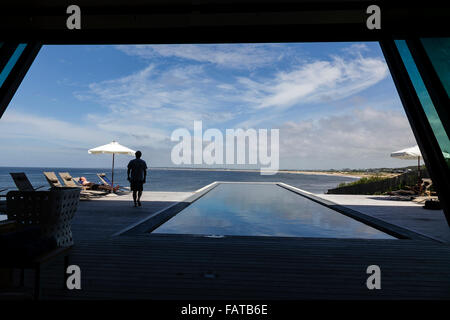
(160, 179)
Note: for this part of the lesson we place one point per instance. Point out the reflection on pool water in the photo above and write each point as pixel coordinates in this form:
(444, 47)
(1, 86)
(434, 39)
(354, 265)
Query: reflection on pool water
(264, 210)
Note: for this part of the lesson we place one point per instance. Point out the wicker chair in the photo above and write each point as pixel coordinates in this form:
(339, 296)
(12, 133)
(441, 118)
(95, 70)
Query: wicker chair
(52, 211)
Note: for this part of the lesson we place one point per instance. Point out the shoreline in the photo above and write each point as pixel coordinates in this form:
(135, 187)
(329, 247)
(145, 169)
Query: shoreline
(346, 174)
(326, 173)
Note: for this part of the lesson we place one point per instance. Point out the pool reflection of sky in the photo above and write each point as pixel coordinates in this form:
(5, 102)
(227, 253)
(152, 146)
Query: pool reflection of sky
(264, 210)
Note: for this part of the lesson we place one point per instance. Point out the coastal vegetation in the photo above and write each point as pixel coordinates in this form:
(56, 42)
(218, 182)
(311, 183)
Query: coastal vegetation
(364, 180)
(380, 184)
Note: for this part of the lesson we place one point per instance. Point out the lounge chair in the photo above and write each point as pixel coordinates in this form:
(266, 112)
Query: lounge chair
(3, 202)
(52, 180)
(22, 182)
(104, 178)
(3, 207)
(69, 181)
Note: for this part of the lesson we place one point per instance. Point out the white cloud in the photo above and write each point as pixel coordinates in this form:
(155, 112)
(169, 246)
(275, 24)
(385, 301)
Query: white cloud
(315, 82)
(44, 132)
(25, 125)
(239, 56)
(362, 138)
(162, 98)
(356, 48)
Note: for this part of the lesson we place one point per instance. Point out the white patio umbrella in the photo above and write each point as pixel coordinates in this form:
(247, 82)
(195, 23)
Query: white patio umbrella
(112, 148)
(412, 153)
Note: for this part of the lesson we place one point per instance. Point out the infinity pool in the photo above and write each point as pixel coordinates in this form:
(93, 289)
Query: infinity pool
(264, 210)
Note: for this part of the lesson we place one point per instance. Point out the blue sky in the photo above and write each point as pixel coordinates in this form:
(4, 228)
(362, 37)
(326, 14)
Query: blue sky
(335, 104)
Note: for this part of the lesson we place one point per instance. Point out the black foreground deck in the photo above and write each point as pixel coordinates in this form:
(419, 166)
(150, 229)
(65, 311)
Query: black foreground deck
(159, 266)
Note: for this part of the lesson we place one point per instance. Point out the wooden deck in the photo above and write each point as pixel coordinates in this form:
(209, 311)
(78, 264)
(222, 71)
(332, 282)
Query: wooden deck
(158, 266)
(193, 267)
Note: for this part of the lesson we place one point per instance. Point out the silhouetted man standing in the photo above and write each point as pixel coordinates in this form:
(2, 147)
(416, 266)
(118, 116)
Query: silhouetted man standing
(138, 170)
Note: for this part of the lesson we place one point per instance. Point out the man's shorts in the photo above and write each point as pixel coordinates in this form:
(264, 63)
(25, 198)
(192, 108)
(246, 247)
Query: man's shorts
(136, 185)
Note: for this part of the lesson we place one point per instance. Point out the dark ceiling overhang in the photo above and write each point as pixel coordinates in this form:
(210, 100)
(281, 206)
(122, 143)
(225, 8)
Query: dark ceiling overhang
(181, 21)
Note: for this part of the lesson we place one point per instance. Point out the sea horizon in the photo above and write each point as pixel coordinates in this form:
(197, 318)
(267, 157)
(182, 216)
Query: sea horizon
(184, 180)
(217, 168)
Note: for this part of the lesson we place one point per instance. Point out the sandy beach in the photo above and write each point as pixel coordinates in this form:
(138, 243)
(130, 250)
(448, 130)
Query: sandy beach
(356, 174)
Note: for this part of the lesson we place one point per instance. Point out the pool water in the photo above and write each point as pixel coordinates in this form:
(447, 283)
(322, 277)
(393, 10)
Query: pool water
(264, 210)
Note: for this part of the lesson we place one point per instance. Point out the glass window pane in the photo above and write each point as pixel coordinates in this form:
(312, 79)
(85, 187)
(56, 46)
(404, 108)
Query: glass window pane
(438, 50)
(12, 61)
(422, 93)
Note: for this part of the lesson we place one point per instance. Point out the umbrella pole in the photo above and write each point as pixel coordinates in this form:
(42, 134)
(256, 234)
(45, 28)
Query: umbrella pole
(418, 166)
(112, 176)
(419, 182)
